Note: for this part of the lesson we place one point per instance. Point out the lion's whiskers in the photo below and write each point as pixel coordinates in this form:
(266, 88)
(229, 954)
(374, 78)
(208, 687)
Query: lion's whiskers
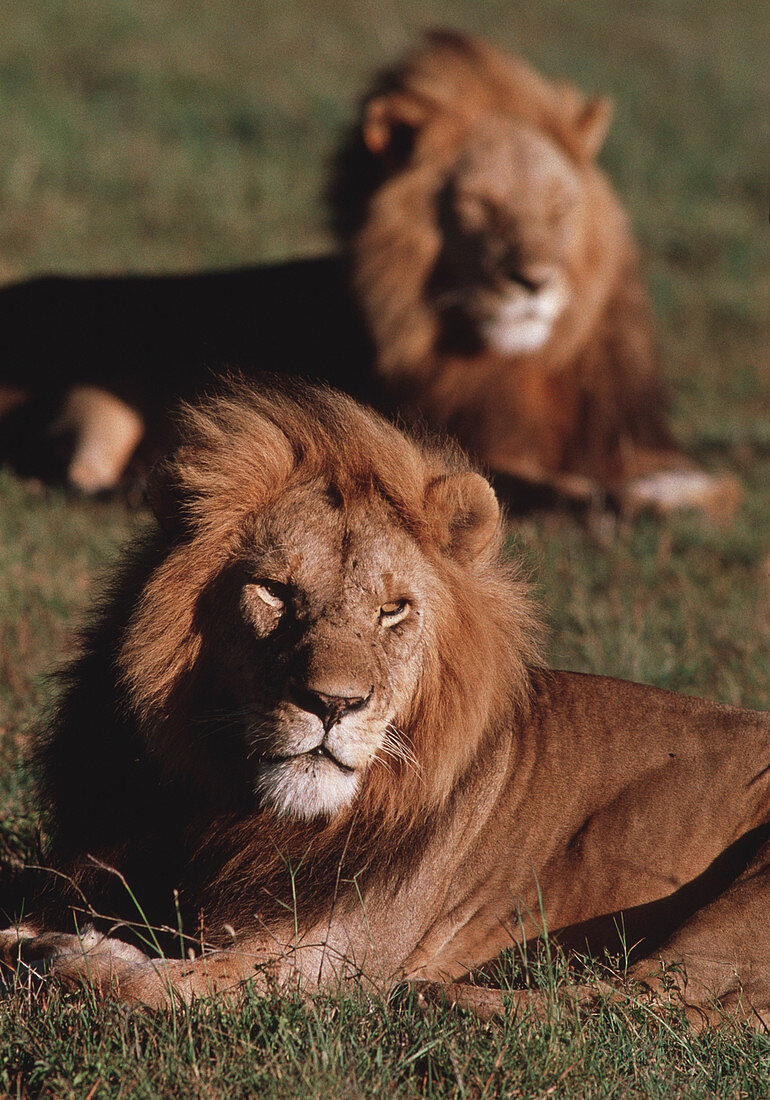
(380, 761)
(395, 746)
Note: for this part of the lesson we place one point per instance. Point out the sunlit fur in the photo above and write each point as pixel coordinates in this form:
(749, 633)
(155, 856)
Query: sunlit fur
(175, 639)
(307, 788)
(244, 451)
(458, 803)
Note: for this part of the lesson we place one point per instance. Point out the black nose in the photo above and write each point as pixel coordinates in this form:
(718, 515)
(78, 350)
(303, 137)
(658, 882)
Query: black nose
(329, 708)
(515, 275)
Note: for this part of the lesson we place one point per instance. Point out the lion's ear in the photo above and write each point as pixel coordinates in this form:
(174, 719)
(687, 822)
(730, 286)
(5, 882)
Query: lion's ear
(589, 121)
(592, 125)
(466, 513)
(390, 123)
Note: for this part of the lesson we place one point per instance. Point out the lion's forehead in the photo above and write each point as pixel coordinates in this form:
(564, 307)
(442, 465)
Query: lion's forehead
(337, 550)
(516, 168)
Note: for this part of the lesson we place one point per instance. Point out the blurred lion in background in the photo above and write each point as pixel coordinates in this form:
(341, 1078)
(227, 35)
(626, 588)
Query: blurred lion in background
(495, 292)
(500, 280)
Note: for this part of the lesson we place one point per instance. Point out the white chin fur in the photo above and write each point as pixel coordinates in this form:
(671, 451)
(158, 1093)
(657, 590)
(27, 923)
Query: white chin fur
(520, 323)
(305, 787)
(514, 338)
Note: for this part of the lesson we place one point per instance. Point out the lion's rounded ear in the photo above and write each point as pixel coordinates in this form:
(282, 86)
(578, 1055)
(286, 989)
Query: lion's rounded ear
(587, 120)
(390, 123)
(590, 125)
(466, 513)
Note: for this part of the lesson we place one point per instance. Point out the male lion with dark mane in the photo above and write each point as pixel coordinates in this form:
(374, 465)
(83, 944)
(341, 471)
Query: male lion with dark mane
(312, 708)
(501, 281)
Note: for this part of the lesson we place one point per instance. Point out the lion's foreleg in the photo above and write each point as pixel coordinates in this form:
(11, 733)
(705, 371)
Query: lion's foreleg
(25, 953)
(110, 967)
(668, 486)
(106, 432)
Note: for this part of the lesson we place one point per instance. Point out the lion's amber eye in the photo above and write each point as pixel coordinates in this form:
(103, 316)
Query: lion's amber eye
(270, 592)
(394, 611)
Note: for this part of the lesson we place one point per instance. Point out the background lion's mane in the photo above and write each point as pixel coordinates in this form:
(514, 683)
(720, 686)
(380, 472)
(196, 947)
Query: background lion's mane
(592, 400)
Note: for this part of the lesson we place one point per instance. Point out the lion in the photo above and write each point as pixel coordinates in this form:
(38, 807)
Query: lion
(487, 281)
(311, 732)
(501, 282)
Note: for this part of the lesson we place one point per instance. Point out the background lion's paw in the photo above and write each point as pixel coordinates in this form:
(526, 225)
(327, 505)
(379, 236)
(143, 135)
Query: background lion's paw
(668, 491)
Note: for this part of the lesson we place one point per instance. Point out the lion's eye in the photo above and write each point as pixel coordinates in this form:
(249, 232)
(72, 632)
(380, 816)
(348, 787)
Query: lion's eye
(394, 611)
(273, 593)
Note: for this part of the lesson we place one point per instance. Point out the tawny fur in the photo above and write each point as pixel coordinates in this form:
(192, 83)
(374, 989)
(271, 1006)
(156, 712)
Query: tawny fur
(471, 188)
(487, 798)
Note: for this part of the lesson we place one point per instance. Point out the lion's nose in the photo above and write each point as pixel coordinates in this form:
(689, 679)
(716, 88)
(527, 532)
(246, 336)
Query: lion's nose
(530, 285)
(532, 277)
(329, 707)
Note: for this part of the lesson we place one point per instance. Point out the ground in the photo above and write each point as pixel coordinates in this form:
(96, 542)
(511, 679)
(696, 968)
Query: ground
(189, 134)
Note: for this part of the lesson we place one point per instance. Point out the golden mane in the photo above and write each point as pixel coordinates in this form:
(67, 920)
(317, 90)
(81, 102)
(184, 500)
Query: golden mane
(240, 451)
(502, 286)
(417, 115)
(523, 799)
(468, 78)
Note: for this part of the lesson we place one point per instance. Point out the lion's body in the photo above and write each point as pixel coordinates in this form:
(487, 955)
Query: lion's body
(501, 281)
(310, 707)
(87, 396)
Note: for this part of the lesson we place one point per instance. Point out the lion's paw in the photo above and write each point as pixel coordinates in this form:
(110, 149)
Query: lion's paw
(88, 958)
(670, 491)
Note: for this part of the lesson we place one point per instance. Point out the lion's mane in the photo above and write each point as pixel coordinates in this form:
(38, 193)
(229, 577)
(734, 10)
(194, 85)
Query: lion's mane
(141, 774)
(591, 402)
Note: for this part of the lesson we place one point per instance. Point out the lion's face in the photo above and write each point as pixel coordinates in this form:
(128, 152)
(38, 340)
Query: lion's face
(316, 582)
(336, 609)
(509, 216)
(482, 223)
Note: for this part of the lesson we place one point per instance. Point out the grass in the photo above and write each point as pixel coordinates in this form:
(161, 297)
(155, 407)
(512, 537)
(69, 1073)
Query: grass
(186, 134)
(347, 1047)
